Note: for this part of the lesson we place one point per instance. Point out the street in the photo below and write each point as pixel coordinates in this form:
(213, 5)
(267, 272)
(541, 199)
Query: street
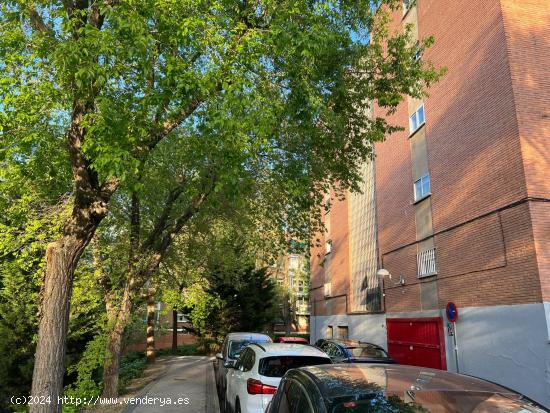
(187, 386)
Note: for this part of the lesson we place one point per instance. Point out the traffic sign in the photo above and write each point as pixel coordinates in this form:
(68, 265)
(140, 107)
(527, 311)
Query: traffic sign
(452, 312)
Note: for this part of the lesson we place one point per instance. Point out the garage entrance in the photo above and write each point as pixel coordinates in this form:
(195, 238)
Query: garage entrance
(417, 341)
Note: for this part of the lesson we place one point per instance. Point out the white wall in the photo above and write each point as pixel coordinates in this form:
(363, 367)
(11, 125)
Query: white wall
(505, 344)
(364, 327)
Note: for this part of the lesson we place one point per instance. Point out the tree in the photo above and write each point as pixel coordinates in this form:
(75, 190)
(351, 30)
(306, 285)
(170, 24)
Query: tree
(284, 84)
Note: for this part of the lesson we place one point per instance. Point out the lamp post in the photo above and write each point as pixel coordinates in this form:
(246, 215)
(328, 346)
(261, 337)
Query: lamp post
(382, 273)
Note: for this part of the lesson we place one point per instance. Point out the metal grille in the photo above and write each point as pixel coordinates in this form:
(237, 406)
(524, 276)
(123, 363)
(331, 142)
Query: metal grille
(426, 263)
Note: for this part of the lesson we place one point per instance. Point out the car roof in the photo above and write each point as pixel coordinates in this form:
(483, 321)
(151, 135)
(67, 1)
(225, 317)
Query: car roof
(291, 338)
(248, 336)
(287, 349)
(351, 343)
(337, 380)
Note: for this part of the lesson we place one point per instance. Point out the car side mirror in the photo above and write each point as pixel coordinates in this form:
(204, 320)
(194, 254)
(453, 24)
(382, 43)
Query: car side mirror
(219, 356)
(229, 364)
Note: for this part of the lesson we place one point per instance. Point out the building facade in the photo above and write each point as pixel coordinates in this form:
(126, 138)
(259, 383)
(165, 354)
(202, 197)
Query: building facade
(291, 274)
(456, 207)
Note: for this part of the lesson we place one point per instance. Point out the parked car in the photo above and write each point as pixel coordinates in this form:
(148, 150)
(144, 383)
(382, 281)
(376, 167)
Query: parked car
(232, 346)
(294, 340)
(366, 388)
(349, 351)
(253, 380)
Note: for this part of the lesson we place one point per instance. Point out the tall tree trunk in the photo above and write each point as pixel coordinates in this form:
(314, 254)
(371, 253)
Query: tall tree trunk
(174, 331)
(117, 320)
(49, 366)
(150, 350)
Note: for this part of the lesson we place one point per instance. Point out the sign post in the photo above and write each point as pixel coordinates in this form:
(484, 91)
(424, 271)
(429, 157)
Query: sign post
(451, 310)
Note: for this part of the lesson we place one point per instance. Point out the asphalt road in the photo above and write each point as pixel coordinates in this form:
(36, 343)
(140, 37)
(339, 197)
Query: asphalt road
(188, 386)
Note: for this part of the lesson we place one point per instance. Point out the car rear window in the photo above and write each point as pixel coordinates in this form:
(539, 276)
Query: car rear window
(367, 351)
(237, 346)
(277, 366)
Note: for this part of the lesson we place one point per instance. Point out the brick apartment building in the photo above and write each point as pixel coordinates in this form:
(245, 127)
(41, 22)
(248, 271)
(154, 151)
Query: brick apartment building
(291, 274)
(456, 207)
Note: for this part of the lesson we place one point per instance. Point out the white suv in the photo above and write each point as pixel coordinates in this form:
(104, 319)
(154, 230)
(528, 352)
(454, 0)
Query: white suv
(253, 381)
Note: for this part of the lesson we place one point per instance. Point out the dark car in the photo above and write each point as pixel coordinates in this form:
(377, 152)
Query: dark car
(293, 340)
(392, 388)
(349, 351)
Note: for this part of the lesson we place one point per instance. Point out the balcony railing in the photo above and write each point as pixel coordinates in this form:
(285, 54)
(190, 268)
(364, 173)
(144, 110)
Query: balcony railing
(426, 263)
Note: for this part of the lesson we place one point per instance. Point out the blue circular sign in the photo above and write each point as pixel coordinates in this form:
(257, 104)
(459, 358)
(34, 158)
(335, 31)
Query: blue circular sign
(452, 312)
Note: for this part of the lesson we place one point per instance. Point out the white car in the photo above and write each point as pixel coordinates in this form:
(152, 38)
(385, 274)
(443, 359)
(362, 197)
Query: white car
(253, 380)
(232, 346)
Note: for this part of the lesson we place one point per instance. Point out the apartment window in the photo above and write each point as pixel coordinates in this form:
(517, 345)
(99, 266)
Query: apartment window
(342, 332)
(330, 332)
(293, 263)
(328, 247)
(181, 318)
(417, 119)
(418, 56)
(328, 289)
(426, 263)
(422, 187)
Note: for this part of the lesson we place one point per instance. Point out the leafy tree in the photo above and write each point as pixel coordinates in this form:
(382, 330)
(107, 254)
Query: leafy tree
(271, 91)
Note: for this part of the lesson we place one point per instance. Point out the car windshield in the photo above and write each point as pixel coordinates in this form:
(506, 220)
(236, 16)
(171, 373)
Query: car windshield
(236, 346)
(277, 366)
(367, 351)
(436, 402)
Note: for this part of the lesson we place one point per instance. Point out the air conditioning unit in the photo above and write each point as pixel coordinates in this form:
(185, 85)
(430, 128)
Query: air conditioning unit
(328, 289)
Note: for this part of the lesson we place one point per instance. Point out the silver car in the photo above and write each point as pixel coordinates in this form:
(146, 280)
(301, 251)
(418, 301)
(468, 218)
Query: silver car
(232, 346)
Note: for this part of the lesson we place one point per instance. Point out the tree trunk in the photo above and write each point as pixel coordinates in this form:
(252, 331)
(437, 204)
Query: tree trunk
(174, 331)
(49, 366)
(150, 350)
(117, 321)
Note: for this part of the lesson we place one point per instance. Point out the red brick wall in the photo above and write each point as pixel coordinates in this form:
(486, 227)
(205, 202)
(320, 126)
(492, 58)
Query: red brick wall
(540, 216)
(527, 26)
(474, 151)
(508, 276)
(164, 341)
(476, 166)
(339, 257)
(336, 263)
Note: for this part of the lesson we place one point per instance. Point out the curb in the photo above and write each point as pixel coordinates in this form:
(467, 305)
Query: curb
(212, 402)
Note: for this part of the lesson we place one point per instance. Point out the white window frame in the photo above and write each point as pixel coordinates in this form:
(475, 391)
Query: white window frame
(328, 289)
(328, 247)
(407, 4)
(418, 54)
(424, 178)
(415, 120)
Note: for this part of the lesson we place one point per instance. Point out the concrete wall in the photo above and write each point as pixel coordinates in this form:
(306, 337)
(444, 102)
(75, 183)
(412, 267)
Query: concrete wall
(505, 344)
(370, 327)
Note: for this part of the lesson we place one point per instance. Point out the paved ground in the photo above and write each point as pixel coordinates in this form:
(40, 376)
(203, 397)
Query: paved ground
(188, 386)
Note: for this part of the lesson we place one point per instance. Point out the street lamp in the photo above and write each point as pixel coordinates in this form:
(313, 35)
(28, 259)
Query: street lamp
(382, 273)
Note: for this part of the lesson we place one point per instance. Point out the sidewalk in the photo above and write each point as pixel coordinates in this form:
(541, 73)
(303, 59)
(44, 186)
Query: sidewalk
(188, 386)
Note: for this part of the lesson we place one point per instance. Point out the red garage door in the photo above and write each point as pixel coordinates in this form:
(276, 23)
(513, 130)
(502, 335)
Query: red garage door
(417, 341)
